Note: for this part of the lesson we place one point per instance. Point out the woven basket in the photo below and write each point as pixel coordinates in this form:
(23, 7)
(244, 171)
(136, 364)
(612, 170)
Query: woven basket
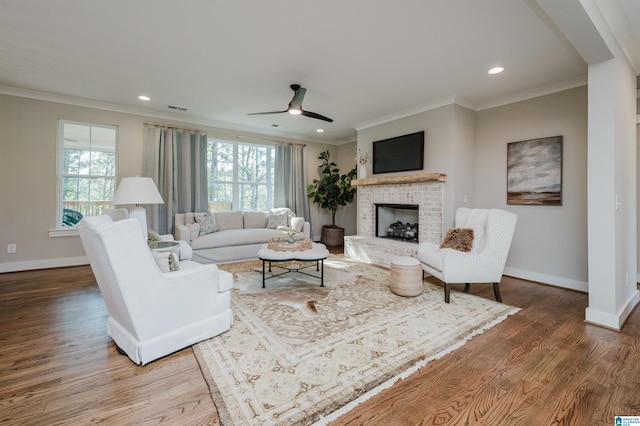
(406, 280)
(332, 237)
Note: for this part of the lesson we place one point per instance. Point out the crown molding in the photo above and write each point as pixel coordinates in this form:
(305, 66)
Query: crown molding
(523, 96)
(186, 119)
(448, 100)
(535, 93)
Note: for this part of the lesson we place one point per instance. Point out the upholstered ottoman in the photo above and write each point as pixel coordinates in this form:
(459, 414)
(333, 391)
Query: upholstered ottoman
(406, 276)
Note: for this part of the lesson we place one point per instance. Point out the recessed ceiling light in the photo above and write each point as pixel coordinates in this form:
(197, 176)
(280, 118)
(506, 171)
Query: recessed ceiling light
(320, 130)
(496, 70)
(144, 98)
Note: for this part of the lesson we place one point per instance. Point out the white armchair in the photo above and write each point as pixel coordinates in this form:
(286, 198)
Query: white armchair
(484, 263)
(151, 313)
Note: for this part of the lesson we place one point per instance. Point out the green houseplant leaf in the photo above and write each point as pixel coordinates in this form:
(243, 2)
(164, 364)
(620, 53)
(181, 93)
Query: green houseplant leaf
(333, 189)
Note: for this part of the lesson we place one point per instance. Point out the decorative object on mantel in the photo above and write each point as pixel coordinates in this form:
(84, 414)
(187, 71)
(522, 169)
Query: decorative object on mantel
(331, 192)
(534, 172)
(362, 159)
(390, 180)
(285, 244)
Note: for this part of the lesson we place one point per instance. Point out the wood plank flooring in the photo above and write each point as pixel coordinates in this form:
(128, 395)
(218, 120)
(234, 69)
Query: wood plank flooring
(542, 366)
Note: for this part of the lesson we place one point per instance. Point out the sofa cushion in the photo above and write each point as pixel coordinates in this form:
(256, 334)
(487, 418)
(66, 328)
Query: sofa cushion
(235, 237)
(229, 220)
(189, 219)
(286, 210)
(194, 230)
(277, 219)
(432, 255)
(297, 223)
(207, 222)
(255, 219)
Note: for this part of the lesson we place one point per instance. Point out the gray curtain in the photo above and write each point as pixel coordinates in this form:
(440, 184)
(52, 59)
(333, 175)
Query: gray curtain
(176, 159)
(290, 180)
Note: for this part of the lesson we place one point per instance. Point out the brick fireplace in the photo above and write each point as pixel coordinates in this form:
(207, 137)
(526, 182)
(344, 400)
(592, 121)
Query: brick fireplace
(426, 191)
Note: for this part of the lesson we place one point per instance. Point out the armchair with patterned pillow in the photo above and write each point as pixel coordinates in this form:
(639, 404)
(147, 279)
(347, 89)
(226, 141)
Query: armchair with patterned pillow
(475, 251)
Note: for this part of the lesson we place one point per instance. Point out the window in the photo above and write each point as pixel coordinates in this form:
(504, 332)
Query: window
(240, 176)
(87, 161)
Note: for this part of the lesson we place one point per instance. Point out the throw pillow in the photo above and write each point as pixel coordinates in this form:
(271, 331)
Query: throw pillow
(194, 230)
(297, 223)
(207, 223)
(277, 219)
(166, 261)
(278, 210)
(153, 236)
(460, 239)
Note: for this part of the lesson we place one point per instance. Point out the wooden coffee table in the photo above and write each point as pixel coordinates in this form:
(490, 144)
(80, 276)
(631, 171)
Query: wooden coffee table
(317, 253)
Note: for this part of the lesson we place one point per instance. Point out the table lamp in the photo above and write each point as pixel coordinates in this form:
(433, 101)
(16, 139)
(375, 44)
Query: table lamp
(137, 190)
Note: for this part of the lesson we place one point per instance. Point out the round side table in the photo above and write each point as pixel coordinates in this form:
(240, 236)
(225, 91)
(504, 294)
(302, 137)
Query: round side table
(406, 277)
(172, 246)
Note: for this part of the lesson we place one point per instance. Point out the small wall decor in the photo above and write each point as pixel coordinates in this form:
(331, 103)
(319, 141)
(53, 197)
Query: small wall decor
(534, 172)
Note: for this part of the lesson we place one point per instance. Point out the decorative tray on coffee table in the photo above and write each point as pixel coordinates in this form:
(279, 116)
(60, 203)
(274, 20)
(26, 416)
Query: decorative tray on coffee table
(283, 244)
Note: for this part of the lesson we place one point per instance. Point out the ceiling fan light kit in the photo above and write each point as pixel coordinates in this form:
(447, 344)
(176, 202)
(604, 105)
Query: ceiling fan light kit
(295, 106)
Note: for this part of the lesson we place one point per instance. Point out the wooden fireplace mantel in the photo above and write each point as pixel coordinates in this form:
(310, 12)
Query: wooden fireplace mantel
(390, 180)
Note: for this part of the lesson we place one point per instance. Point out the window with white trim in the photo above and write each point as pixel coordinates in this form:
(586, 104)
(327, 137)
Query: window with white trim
(240, 175)
(87, 160)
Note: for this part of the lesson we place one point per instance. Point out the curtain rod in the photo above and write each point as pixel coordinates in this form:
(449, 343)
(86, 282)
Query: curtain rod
(149, 123)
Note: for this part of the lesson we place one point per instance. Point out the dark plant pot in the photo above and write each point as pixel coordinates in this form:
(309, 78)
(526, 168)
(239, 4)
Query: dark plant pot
(332, 237)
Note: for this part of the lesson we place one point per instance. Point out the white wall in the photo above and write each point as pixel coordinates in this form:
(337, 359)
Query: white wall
(439, 142)
(464, 157)
(28, 150)
(347, 216)
(319, 217)
(28, 175)
(550, 243)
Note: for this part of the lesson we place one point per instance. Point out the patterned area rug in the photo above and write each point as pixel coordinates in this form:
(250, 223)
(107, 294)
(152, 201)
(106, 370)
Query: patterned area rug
(298, 352)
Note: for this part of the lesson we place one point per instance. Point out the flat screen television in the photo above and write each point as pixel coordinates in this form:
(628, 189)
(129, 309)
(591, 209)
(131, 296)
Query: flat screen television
(399, 154)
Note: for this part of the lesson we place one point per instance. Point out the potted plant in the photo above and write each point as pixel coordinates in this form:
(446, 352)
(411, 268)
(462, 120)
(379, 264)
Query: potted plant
(330, 192)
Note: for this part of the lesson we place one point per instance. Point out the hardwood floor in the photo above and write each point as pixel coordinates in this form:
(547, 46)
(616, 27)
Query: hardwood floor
(541, 366)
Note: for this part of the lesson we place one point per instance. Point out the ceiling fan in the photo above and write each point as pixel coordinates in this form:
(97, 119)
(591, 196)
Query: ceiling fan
(295, 106)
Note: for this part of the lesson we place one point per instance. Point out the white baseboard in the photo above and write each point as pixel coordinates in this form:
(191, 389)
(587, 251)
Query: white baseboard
(582, 286)
(43, 264)
(613, 321)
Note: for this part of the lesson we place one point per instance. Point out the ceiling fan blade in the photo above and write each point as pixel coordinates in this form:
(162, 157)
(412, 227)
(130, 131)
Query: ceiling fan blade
(264, 113)
(315, 115)
(296, 101)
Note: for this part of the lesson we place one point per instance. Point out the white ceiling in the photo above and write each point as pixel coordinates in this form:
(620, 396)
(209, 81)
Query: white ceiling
(360, 60)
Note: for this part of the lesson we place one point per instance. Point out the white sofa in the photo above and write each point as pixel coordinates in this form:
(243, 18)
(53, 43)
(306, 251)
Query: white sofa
(153, 313)
(238, 236)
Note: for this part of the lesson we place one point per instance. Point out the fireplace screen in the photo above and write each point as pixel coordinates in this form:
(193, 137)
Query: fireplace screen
(397, 222)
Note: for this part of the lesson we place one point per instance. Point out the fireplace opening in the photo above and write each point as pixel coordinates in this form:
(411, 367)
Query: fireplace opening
(397, 222)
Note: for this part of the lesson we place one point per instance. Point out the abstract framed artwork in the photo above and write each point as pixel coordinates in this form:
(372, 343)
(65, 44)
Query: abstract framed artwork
(534, 172)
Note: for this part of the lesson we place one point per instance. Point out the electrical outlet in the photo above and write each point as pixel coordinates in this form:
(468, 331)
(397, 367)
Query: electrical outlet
(11, 248)
(627, 280)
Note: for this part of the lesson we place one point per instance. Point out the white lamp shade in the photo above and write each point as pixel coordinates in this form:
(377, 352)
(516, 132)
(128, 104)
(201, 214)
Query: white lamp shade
(137, 190)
